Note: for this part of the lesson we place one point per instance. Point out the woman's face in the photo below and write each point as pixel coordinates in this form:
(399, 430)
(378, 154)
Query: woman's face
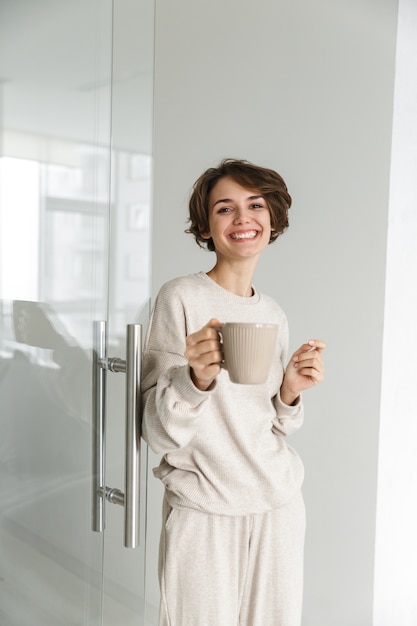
(239, 220)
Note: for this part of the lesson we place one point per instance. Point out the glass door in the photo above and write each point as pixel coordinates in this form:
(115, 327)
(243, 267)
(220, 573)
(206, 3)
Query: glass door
(75, 163)
(129, 286)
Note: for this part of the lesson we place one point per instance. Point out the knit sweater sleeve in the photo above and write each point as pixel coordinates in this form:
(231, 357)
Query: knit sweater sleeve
(173, 406)
(288, 418)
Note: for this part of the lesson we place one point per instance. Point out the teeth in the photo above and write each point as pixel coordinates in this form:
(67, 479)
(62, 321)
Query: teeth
(249, 235)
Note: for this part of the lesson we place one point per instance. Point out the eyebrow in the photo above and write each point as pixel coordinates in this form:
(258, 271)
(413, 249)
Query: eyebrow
(231, 200)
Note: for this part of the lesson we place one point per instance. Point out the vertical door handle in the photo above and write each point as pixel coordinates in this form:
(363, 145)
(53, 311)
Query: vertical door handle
(130, 498)
(98, 425)
(132, 435)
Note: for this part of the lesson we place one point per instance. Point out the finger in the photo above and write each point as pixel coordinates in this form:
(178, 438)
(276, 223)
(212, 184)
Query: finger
(214, 326)
(310, 367)
(316, 344)
(314, 375)
(207, 351)
(310, 358)
(209, 329)
(204, 334)
(315, 363)
(214, 323)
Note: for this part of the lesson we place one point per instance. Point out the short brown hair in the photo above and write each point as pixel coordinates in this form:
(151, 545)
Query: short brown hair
(265, 181)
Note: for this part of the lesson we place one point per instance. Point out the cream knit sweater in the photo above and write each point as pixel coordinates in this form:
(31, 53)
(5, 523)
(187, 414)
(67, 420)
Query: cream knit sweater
(224, 450)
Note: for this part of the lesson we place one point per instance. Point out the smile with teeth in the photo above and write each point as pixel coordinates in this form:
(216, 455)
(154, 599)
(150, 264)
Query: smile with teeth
(249, 234)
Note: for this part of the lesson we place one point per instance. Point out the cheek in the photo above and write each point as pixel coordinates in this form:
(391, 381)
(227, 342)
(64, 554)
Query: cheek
(268, 227)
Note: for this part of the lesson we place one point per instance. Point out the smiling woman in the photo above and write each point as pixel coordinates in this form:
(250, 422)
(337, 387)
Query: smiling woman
(232, 484)
(314, 101)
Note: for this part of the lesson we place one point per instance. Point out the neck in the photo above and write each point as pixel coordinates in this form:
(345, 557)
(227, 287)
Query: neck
(236, 279)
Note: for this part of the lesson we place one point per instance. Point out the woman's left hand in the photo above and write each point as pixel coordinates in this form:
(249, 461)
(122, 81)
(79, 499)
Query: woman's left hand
(305, 369)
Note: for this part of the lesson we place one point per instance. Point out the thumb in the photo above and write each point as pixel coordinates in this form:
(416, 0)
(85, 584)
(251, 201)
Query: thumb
(214, 323)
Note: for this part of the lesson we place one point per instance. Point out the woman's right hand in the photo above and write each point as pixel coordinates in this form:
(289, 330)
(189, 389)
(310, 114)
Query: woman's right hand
(204, 354)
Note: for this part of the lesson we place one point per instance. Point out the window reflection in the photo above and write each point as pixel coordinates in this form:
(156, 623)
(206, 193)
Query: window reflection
(58, 223)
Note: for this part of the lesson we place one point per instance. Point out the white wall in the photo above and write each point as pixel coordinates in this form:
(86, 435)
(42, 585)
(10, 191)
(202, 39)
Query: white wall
(305, 88)
(395, 598)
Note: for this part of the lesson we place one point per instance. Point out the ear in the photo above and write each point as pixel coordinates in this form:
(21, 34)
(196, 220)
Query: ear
(205, 235)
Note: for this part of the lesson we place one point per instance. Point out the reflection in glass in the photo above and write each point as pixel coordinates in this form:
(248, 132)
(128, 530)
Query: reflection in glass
(54, 231)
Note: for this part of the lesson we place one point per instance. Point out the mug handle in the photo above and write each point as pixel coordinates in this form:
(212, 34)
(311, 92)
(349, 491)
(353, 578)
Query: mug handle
(219, 330)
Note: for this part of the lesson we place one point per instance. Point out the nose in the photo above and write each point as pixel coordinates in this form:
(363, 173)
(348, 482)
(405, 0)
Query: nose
(241, 216)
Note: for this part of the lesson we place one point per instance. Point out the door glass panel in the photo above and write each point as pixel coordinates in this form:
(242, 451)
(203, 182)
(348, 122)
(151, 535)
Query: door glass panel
(129, 269)
(55, 158)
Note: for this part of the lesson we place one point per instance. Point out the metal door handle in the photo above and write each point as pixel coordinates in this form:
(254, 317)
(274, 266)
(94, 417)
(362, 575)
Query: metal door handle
(130, 499)
(132, 443)
(98, 426)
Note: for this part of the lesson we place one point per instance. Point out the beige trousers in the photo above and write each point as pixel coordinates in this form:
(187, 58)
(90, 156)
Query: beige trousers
(228, 571)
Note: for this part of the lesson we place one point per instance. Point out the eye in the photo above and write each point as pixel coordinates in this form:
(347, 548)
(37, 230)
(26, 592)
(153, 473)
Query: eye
(257, 205)
(224, 209)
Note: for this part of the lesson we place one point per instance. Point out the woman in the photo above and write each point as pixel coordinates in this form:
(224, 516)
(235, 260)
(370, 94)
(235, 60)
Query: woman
(231, 548)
